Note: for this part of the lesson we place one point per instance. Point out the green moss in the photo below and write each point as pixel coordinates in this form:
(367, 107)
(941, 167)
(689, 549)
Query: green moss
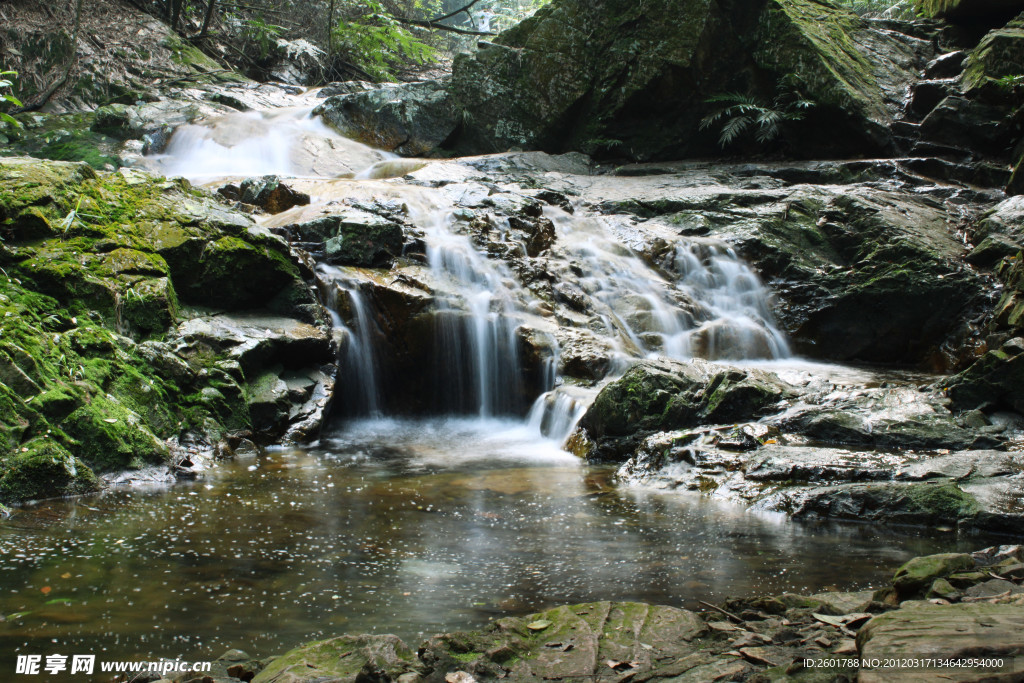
(74, 304)
(112, 437)
(943, 502)
(466, 657)
(42, 468)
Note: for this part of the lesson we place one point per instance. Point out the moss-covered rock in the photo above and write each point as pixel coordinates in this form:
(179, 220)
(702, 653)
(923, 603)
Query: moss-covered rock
(94, 272)
(663, 396)
(42, 468)
(345, 659)
(580, 76)
(920, 572)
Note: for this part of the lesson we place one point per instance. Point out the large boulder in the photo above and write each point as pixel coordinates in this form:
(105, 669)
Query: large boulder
(102, 368)
(411, 119)
(969, 10)
(665, 395)
(630, 79)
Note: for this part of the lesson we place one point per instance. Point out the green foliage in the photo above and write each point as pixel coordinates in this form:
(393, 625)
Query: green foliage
(264, 35)
(375, 41)
(6, 83)
(745, 113)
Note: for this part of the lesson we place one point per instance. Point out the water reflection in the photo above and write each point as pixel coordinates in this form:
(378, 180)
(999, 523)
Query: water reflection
(402, 527)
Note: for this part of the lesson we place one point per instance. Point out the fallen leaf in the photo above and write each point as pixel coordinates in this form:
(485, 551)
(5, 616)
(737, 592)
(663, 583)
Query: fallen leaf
(66, 575)
(538, 625)
(111, 420)
(830, 620)
(46, 590)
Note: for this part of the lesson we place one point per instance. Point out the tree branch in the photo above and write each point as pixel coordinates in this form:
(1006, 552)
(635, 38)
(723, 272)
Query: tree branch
(452, 14)
(443, 27)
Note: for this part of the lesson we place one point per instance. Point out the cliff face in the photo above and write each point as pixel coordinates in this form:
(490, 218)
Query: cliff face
(627, 79)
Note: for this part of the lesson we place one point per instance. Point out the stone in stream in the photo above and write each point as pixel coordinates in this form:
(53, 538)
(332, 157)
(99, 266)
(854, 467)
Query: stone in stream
(354, 237)
(919, 573)
(270, 194)
(666, 395)
(411, 119)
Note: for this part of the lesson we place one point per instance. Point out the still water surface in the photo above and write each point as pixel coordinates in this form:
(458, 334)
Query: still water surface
(412, 528)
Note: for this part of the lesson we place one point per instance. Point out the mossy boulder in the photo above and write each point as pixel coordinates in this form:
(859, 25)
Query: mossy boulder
(345, 659)
(96, 271)
(42, 468)
(584, 76)
(664, 395)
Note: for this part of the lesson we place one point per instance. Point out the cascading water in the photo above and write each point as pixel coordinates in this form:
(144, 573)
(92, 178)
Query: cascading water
(700, 301)
(738, 324)
(714, 308)
(359, 388)
(478, 369)
(288, 141)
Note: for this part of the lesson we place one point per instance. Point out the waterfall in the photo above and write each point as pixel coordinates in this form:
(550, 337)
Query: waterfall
(737, 322)
(358, 384)
(713, 306)
(478, 368)
(699, 300)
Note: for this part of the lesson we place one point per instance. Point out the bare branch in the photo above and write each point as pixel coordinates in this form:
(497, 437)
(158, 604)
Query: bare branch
(452, 14)
(443, 27)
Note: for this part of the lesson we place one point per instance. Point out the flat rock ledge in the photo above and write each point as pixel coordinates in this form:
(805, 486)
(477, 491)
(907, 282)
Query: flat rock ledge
(949, 617)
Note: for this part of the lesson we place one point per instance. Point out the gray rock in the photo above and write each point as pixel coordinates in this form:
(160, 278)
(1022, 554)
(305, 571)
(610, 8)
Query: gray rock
(411, 119)
(942, 632)
(270, 194)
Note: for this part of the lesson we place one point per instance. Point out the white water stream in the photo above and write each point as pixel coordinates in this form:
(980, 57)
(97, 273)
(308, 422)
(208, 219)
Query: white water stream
(702, 301)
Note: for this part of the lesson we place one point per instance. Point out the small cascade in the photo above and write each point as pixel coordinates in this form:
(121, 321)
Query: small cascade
(555, 413)
(738, 324)
(478, 365)
(288, 141)
(359, 386)
(714, 306)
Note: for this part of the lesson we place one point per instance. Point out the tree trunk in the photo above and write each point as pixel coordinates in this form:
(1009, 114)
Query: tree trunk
(211, 4)
(175, 14)
(330, 31)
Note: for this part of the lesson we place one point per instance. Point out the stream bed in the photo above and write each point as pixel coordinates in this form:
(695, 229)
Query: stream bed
(405, 527)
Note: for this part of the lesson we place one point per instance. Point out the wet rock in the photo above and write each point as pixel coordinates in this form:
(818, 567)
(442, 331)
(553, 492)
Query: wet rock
(411, 119)
(942, 632)
(42, 468)
(570, 642)
(354, 237)
(547, 83)
(153, 122)
(664, 395)
(897, 417)
(969, 124)
(270, 194)
(920, 572)
(345, 659)
(255, 340)
(1000, 54)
